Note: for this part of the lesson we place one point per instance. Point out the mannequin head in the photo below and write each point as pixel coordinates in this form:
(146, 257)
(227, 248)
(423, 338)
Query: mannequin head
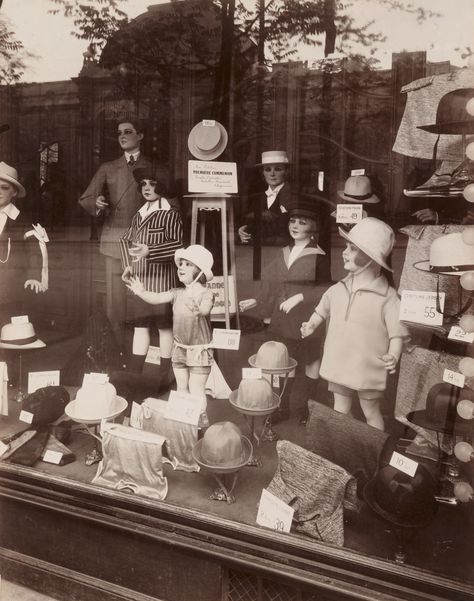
(302, 228)
(356, 260)
(274, 174)
(8, 193)
(129, 136)
(188, 272)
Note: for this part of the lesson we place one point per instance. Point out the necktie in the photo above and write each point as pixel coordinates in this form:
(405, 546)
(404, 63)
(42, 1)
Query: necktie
(131, 160)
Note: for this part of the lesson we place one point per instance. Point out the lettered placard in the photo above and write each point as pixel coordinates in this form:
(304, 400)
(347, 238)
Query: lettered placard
(403, 464)
(457, 333)
(210, 177)
(95, 378)
(183, 407)
(349, 213)
(226, 339)
(20, 319)
(419, 306)
(26, 416)
(358, 172)
(39, 379)
(274, 513)
(153, 355)
(453, 377)
(251, 373)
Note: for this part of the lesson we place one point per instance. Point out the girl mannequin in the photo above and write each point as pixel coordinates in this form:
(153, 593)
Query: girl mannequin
(364, 336)
(192, 356)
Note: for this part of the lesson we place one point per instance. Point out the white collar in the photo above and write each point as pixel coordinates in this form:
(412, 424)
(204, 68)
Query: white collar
(135, 155)
(11, 211)
(274, 192)
(156, 205)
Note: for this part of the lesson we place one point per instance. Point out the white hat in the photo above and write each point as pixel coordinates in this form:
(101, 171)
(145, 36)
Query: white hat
(274, 157)
(207, 140)
(449, 255)
(374, 237)
(10, 174)
(358, 188)
(199, 256)
(19, 336)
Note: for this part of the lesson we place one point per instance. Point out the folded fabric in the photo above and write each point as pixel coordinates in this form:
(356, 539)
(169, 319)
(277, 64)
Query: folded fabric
(317, 489)
(30, 452)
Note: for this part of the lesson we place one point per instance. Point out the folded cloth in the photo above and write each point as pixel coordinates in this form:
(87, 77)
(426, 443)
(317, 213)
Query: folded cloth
(30, 452)
(317, 489)
(54, 445)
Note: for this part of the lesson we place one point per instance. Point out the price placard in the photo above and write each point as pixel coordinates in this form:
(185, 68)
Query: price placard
(349, 213)
(26, 416)
(251, 373)
(95, 378)
(183, 407)
(153, 355)
(53, 457)
(226, 339)
(274, 513)
(321, 181)
(454, 377)
(20, 319)
(404, 464)
(39, 379)
(208, 123)
(419, 306)
(358, 172)
(457, 333)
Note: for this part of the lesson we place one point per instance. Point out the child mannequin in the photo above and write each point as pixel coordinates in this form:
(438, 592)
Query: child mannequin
(289, 293)
(191, 356)
(147, 250)
(364, 336)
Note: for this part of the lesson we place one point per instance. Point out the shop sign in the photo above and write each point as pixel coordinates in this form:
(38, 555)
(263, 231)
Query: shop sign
(420, 307)
(217, 287)
(212, 177)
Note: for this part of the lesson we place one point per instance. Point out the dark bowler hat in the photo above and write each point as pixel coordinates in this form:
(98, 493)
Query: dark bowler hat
(452, 116)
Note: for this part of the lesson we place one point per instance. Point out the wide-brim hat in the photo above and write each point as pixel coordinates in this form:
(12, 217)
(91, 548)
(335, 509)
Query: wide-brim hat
(452, 116)
(19, 336)
(199, 256)
(440, 413)
(449, 255)
(10, 174)
(374, 237)
(234, 401)
(274, 157)
(207, 140)
(231, 466)
(358, 189)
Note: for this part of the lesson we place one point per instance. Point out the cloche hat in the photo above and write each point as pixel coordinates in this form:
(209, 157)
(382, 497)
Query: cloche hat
(273, 356)
(199, 256)
(222, 448)
(374, 237)
(254, 397)
(10, 174)
(207, 140)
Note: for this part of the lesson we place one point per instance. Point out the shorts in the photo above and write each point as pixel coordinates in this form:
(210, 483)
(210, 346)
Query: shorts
(195, 362)
(370, 395)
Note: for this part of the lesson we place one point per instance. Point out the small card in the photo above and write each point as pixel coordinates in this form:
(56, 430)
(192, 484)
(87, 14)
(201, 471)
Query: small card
(251, 373)
(39, 379)
(457, 333)
(404, 464)
(454, 377)
(136, 416)
(275, 381)
(53, 457)
(153, 355)
(274, 513)
(226, 339)
(183, 407)
(420, 307)
(26, 416)
(358, 172)
(321, 181)
(208, 122)
(20, 319)
(3, 448)
(95, 378)
(349, 213)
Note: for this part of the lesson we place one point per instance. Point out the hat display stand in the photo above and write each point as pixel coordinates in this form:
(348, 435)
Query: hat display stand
(18, 354)
(92, 426)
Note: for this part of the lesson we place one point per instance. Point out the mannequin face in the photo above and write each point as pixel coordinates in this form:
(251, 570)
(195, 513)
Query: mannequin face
(7, 193)
(186, 272)
(354, 258)
(274, 174)
(301, 228)
(128, 137)
(148, 190)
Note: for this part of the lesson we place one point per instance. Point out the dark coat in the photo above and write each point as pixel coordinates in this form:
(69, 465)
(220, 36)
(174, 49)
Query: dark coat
(274, 221)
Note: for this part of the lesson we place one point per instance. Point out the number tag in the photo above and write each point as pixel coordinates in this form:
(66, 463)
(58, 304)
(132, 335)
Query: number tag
(226, 339)
(53, 457)
(454, 377)
(349, 213)
(275, 381)
(26, 416)
(274, 513)
(251, 373)
(457, 333)
(358, 172)
(153, 355)
(404, 464)
(39, 379)
(95, 378)
(420, 307)
(183, 407)
(208, 123)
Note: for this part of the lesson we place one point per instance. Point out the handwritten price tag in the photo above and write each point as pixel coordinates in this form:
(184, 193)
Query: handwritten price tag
(20, 319)
(153, 355)
(349, 213)
(226, 339)
(457, 333)
(208, 122)
(454, 377)
(404, 464)
(95, 378)
(53, 457)
(274, 513)
(251, 373)
(420, 307)
(39, 379)
(358, 172)
(183, 407)
(26, 416)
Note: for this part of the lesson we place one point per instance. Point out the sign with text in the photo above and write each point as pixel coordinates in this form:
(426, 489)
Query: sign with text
(457, 333)
(274, 513)
(403, 464)
(212, 177)
(26, 416)
(183, 407)
(225, 339)
(153, 355)
(217, 287)
(358, 172)
(420, 307)
(39, 379)
(349, 213)
(454, 377)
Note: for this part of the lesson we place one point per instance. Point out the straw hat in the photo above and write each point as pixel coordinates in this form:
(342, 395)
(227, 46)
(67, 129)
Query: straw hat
(10, 174)
(207, 140)
(449, 255)
(19, 336)
(274, 157)
(374, 237)
(358, 189)
(199, 256)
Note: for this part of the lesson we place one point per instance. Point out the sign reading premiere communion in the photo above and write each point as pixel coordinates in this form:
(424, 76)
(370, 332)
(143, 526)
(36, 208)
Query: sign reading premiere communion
(212, 177)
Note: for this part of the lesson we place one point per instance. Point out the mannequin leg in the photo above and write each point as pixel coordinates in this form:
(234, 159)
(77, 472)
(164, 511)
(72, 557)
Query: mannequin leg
(166, 345)
(140, 345)
(197, 387)
(342, 402)
(182, 378)
(372, 412)
(311, 380)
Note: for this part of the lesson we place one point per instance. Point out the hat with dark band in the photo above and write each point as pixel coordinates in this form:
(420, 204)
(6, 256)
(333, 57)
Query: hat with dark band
(358, 189)
(452, 116)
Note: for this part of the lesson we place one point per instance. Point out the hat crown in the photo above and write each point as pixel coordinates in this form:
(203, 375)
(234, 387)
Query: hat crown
(272, 355)
(222, 445)
(357, 185)
(374, 237)
(255, 394)
(274, 156)
(452, 114)
(451, 250)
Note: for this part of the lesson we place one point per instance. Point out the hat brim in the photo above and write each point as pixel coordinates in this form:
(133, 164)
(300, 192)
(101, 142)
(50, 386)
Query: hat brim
(422, 419)
(36, 344)
(379, 260)
(425, 266)
(374, 199)
(303, 213)
(233, 397)
(212, 154)
(450, 127)
(16, 183)
(287, 163)
(274, 370)
(181, 254)
(120, 404)
(247, 453)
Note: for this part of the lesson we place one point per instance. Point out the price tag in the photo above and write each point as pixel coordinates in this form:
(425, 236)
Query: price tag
(358, 172)
(208, 122)
(39, 379)
(454, 377)
(53, 457)
(3, 448)
(275, 381)
(404, 464)
(251, 373)
(20, 319)
(136, 416)
(153, 355)
(274, 513)
(183, 407)
(349, 213)
(95, 378)
(321, 181)
(226, 339)
(457, 333)
(420, 307)
(26, 416)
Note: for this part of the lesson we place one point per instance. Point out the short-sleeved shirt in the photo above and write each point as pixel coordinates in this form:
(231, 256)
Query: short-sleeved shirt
(188, 328)
(360, 326)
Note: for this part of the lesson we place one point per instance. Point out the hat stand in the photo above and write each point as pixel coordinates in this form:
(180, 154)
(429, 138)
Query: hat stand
(18, 353)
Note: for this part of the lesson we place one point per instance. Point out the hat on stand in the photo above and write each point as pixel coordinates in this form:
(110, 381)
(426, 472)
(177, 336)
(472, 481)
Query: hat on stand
(454, 114)
(222, 448)
(358, 189)
(207, 140)
(254, 396)
(449, 255)
(19, 336)
(272, 356)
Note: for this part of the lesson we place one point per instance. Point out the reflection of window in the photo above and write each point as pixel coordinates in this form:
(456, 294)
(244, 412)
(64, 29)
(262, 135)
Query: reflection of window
(49, 154)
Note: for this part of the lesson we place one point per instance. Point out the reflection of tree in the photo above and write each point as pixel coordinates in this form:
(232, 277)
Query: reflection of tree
(12, 55)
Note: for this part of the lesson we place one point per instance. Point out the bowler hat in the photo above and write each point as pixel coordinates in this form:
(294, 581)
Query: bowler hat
(274, 357)
(199, 256)
(374, 237)
(254, 397)
(222, 448)
(207, 140)
(449, 255)
(452, 116)
(358, 188)
(10, 174)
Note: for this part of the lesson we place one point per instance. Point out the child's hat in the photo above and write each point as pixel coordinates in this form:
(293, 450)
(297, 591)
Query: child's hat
(199, 256)
(374, 237)
(10, 175)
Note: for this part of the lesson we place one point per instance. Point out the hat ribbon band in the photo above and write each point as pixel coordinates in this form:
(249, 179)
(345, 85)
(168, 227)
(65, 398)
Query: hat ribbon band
(358, 196)
(19, 340)
(443, 268)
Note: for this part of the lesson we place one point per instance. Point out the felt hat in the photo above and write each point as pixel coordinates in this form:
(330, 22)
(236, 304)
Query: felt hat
(254, 397)
(199, 256)
(358, 189)
(274, 157)
(449, 255)
(303, 208)
(401, 499)
(452, 116)
(19, 336)
(222, 448)
(159, 174)
(207, 140)
(374, 237)
(273, 356)
(440, 413)
(10, 174)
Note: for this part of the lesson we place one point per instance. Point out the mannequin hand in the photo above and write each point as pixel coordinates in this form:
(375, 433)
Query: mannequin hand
(290, 303)
(244, 236)
(138, 251)
(248, 303)
(390, 362)
(307, 328)
(35, 285)
(426, 215)
(127, 274)
(135, 285)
